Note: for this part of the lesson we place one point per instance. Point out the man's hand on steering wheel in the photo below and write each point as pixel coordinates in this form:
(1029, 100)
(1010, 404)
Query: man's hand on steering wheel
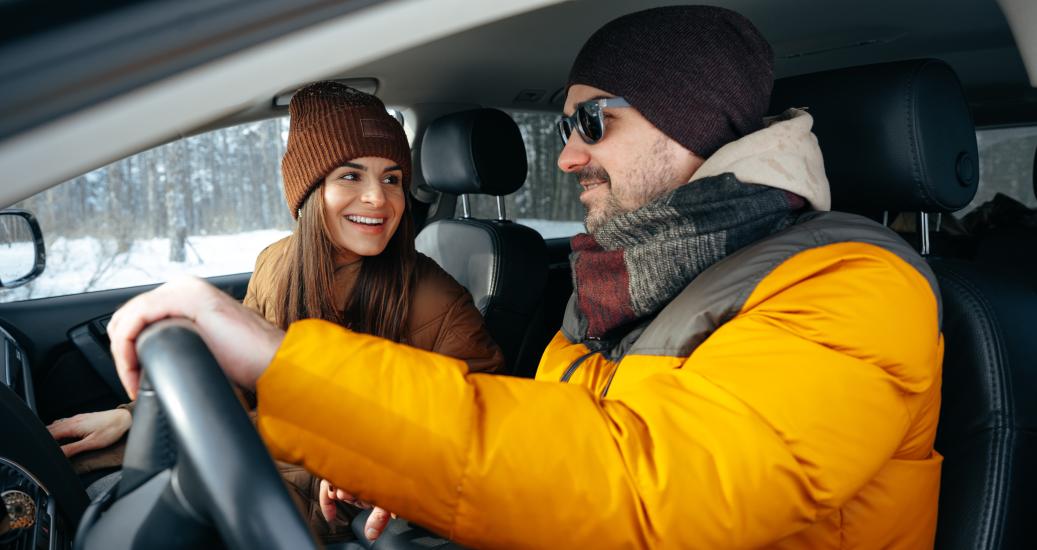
(242, 342)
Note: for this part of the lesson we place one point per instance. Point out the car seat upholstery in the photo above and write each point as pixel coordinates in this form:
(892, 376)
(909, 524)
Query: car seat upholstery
(899, 137)
(503, 264)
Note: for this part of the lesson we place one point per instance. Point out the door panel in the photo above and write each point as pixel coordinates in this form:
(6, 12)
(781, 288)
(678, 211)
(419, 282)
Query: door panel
(66, 344)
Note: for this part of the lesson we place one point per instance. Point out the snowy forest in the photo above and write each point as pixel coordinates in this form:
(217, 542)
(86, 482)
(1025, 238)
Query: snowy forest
(208, 204)
(146, 217)
(220, 182)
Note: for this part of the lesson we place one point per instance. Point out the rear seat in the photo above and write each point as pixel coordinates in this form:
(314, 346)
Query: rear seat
(503, 264)
(898, 137)
(1012, 243)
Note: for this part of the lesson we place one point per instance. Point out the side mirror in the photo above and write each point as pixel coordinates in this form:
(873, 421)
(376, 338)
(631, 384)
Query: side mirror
(22, 254)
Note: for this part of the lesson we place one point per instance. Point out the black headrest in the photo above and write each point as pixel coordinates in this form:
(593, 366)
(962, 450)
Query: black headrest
(895, 136)
(477, 151)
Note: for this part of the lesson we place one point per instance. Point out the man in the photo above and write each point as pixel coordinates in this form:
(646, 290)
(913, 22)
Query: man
(737, 367)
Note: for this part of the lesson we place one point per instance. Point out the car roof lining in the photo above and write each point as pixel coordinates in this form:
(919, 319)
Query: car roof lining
(181, 104)
(972, 36)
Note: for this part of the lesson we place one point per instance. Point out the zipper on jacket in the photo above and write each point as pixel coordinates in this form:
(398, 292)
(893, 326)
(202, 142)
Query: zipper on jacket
(609, 383)
(575, 365)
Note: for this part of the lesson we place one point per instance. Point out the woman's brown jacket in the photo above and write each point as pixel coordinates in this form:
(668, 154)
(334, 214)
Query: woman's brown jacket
(442, 319)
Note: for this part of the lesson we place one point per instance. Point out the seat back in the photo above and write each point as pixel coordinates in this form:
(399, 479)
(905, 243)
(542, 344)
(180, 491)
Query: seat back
(502, 264)
(898, 137)
(987, 422)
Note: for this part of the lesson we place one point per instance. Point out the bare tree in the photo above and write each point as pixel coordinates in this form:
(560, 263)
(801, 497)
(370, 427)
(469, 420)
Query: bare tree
(177, 205)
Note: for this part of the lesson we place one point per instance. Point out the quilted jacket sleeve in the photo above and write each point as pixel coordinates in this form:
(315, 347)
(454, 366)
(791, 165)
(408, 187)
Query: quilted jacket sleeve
(778, 418)
(444, 320)
(463, 334)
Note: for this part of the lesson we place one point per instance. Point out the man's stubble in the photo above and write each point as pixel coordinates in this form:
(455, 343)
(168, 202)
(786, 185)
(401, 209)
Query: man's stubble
(653, 175)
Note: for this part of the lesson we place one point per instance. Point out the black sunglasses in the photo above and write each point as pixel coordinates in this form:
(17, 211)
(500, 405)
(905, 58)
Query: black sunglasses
(588, 119)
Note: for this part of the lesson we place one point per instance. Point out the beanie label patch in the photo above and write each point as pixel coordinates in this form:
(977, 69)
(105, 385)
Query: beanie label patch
(375, 128)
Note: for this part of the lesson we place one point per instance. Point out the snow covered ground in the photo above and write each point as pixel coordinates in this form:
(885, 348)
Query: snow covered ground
(551, 229)
(89, 264)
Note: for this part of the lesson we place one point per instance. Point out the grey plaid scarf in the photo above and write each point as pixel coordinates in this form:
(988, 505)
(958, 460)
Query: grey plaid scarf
(638, 261)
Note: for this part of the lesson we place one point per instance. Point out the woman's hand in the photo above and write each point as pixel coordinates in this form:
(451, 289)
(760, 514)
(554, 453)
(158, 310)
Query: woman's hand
(91, 431)
(376, 522)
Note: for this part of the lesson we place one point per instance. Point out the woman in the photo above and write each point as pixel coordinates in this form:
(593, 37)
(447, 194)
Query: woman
(350, 260)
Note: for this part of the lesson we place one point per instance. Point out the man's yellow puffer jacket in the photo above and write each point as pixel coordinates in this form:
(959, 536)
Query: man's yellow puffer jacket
(787, 398)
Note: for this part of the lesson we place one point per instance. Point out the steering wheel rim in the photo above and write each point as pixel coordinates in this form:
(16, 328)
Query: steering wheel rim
(234, 483)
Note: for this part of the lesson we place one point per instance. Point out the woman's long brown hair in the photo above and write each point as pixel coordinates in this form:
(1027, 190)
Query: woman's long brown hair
(380, 301)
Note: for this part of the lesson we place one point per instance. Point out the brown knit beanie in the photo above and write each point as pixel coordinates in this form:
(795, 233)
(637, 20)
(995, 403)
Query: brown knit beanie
(332, 124)
(702, 75)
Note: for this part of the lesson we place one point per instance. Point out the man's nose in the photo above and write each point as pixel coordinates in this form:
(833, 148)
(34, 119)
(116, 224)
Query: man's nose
(575, 154)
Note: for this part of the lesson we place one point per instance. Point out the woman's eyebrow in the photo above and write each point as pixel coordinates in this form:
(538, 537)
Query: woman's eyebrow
(393, 168)
(354, 165)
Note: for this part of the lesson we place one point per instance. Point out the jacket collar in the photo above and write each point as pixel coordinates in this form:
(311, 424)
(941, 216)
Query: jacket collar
(784, 155)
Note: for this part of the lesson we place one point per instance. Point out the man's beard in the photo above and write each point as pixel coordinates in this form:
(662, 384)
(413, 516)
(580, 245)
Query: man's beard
(654, 177)
(594, 219)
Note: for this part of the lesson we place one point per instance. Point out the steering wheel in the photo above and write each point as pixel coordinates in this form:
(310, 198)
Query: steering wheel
(195, 470)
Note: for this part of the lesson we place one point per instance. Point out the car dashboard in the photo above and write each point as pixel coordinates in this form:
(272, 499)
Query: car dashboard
(30, 520)
(15, 371)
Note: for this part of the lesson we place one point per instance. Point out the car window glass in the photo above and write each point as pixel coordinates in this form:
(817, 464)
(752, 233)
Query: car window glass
(549, 200)
(1006, 158)
(204, 205)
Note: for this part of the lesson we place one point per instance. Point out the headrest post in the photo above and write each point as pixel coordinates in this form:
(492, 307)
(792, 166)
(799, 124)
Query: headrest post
(939, 221)
(885, 218)
(466, 209)
(501, 216)
(923, 232)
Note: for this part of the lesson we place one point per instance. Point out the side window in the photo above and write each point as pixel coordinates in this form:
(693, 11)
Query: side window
(1006, 159)
(205, 205)
(549, 200)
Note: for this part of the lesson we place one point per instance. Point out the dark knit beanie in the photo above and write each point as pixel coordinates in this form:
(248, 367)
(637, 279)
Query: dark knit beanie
(332, 124)
(702, 75)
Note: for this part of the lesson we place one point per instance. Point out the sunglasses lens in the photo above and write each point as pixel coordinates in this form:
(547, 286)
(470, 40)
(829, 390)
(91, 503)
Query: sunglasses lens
(565, 129)
(590, 124)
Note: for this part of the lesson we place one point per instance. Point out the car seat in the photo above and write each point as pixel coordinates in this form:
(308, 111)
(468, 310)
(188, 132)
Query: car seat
(898, 137)
(502, 264)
